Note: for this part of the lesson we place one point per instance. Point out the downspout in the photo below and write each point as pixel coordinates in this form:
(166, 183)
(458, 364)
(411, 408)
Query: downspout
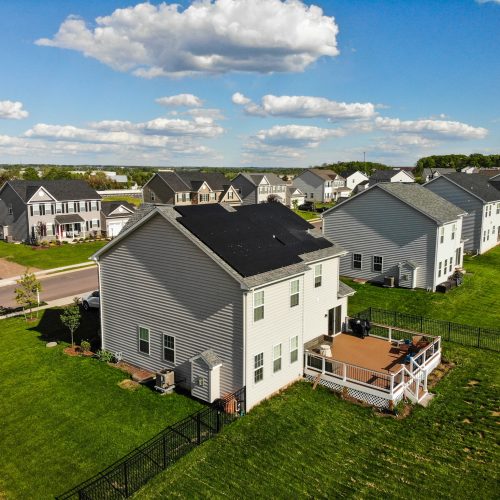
(245, 331)
(435, 264)
(101, 315)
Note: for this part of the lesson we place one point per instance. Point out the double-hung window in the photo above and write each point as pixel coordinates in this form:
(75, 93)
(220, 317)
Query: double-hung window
(294, 349)
(453, 231)
(441, 235)
(143, 340)
(258, 367)
(258, 305)
(318, 274)
(59, 208)
(169, 348)
(294, 293)
(440, 269)
(377, 263)
(451, 264)
(356, 260)
(277, 358)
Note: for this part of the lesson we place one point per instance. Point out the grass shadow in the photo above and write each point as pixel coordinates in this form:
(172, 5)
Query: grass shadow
(51, 328)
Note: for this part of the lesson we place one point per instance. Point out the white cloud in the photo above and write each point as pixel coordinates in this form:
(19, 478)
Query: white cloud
(432, 129)
(188, 100)
(297, 135)
(209, 36)
(488, 1)
(306, 107)
(12, 110)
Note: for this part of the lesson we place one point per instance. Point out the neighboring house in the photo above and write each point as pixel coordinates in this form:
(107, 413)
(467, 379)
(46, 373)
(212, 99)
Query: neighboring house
(432, 173)
(48, 210)
(225, 297)
(362, 186)
(189, 188)
(391, 176)
(321, 185)
(353, 178)
(479, 196)
(470, 170)
(294, 197)
(114, 216)
(397, 230)
(490, 172)
(256, 188)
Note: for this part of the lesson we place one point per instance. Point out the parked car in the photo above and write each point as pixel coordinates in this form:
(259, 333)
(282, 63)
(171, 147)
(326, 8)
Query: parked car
(93, 301)
(307, 205)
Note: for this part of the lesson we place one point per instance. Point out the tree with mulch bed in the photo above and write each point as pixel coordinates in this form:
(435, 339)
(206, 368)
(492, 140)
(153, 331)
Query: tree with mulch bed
(27, 293)
(70, 318)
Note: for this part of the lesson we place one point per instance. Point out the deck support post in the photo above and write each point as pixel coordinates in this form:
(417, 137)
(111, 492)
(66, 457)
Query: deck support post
(390, 334)
(392, 384)
(344, 372)
(323, 365)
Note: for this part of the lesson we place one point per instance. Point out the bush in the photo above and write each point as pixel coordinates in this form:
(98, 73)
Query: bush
(65, 242)
(106, 356)
(85, 345)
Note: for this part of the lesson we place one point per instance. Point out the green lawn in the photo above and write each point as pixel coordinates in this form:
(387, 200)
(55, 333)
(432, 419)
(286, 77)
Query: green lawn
(476, 302)
(131, 199)
(49, 258)
(64, 419)
(307, 215)
(311, 444)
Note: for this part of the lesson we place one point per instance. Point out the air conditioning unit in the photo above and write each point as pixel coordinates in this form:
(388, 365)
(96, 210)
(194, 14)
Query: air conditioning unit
(165, 381)
(389, 281)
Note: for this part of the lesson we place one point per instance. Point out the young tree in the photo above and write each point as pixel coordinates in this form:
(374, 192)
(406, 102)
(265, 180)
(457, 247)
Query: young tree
(27, 292)
(273, 198)
(71, 317)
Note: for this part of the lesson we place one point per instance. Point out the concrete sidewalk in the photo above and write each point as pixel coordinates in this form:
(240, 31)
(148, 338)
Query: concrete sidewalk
(53, 303)
(49, 272)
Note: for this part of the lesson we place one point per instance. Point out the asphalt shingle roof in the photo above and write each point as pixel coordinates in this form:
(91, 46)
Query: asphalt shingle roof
(255, 179)
(477, 184)
(385, 175)
(108, 206)
(424, 200)
(61, 190)
(326, 175)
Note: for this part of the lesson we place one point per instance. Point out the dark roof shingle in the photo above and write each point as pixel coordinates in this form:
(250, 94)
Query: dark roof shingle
(61, 190)
(476, 184)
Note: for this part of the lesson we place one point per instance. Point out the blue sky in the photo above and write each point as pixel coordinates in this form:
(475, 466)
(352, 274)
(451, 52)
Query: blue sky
(247, 82)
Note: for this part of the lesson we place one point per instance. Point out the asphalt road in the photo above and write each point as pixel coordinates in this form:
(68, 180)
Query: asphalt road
(57, 286)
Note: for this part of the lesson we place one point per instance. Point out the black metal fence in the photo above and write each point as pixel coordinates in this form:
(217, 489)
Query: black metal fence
(468, 335)
(133, 471)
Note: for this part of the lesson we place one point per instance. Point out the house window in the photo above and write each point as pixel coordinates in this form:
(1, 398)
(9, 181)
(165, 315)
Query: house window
(318, 274)
(9, 210)
(82, 206)
(451, 264)
(151, 195)
(441, 233)
(294, 349)
(94, 223)
(204, 198)
(453, 231)
(258, 367)
(212, 196)
(71, 207)
(276, 358)
(484, 236)
(36, 209)
(59, 208)
(144, 340)
(229, 195)
(294, 293)
(258, 305)
(377, 263)
(445, 265)
(498, 208)
(357, 260)
(489, 211)
(169, 348)
(94, 205)
(440, 269)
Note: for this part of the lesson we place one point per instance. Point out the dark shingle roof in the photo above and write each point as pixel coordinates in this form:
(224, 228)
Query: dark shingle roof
(326, 175)
(61, 190)
(194, 180)
(385, 175)
(108, 206)
(255, 179)
(476, 184)
(253, 239)
(424, 200)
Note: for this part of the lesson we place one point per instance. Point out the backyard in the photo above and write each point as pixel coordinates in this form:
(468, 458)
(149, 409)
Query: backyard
(476, 302)
(49, 258)
(307, 443)
(65, 418)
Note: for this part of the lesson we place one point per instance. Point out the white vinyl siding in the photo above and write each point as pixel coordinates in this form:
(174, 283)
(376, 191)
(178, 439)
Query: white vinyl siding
(294, 349)
(294, 293)
(258, 305)
(277, 358)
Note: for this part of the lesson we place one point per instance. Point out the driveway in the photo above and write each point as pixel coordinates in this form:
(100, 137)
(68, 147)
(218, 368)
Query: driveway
(10, 269)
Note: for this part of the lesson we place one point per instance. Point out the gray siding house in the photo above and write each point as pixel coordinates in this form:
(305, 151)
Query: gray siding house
(321, 185)
(226, 298)
(479, 196)
(48, 210)
(256, 188)
(189, 188)
(397, 230)
(114, 216)
(393, 175)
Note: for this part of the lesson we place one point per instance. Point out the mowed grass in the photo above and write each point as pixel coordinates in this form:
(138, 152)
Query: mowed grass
(131, 199)
(307, 215)
(311, 444)
(49, 258)
(476, 302)
(64, 419)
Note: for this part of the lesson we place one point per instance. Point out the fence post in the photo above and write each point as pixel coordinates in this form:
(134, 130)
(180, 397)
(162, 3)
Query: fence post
(125, 470)
(198, 429)
(164, 451)
(217, 427)
(449, 331)
(390, 334)
(479, 337)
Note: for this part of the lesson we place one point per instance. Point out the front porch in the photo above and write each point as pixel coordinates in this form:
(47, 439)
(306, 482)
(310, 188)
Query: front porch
(377, 370)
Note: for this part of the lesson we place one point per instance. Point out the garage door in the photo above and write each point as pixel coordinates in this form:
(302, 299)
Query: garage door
(115, 228)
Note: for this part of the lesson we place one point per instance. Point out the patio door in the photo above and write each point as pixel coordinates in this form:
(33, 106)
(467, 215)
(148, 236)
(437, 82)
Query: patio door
(458, 257)
(335, 320)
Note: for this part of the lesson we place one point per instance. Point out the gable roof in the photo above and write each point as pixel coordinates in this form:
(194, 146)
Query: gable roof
(209, 357)
(387, 175)
(256, 179)
(325, 174)
(351, 171)
(429, 172)
(416, 196)
(194, 180)
(60, 190)
(475, 184)
(108, 207)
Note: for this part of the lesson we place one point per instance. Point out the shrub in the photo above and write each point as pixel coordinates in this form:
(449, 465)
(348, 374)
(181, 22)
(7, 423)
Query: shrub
(65, 242)
(85, 345)
(106, 356)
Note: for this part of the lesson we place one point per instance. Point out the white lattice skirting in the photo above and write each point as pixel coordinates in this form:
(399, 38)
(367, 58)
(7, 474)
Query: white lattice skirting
(359, 395)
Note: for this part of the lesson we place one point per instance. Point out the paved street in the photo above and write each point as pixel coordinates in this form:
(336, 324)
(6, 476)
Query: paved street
(57, 286)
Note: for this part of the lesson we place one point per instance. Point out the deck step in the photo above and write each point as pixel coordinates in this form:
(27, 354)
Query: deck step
(426, 399)
(316, 381)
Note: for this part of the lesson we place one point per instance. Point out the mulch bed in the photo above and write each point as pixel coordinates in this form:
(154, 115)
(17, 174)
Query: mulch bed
(77, 351)
(137, 374)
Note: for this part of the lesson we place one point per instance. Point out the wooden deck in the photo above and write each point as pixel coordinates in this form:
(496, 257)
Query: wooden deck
(371, 352)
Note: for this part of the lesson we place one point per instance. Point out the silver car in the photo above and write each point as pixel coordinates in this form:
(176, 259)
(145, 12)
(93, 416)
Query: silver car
(92, 301)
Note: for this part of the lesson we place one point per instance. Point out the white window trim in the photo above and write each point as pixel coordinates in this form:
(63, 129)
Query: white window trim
(260, 305)
(293, 350)
(260, 367)
(280, 358)
(360, 261)
(163, 347)
(318, 275)
(296, 293)
(139, 340)
(381, 264)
